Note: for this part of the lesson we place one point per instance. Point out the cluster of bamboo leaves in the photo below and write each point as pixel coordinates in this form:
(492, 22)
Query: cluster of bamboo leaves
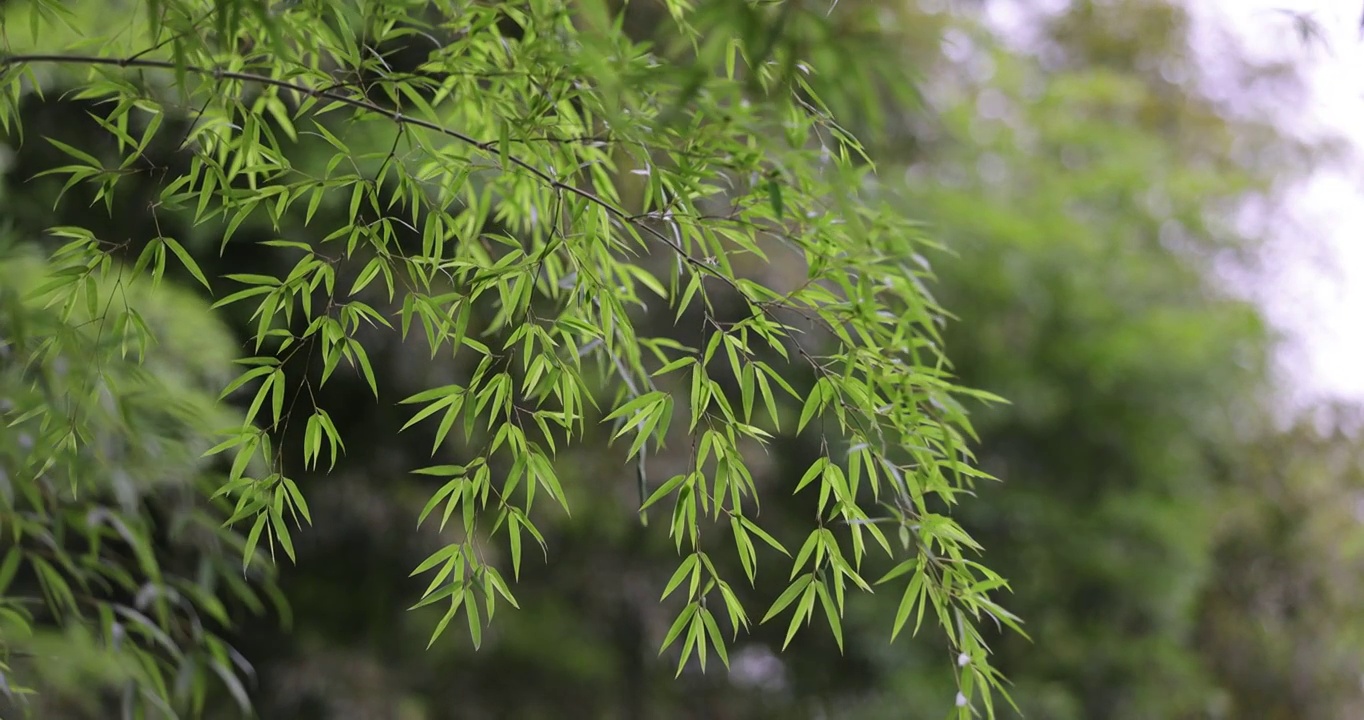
(548, 172)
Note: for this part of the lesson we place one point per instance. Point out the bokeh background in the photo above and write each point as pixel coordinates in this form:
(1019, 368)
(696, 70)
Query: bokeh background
(1128, 195)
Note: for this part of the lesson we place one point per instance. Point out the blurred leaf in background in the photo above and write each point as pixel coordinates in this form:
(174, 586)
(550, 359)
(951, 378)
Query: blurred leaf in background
(117, 580)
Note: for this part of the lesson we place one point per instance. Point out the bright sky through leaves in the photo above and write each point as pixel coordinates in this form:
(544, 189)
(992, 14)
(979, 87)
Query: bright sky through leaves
(1313, 282)
(1318, 297)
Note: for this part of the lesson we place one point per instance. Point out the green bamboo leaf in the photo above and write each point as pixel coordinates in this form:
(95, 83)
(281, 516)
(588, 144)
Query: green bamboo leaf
(771, 541)
(814, 403)
(717, 640)
(296, 498)
(439, 556)
(456, 601)
(900, 569)
(812, 543)
(681, 622)
(689, 567)
(664, 490)
(471, 613)
(832, 613)
(544, 473)
(244, 378)
(514, 537)
(76, 153)
(914, 596)
(186, 260)
(281, 532)
(694, 642)
(674, 365)
(789, 595)
(807, 601)
(636, 405)
(252, 538)
(277, 399)
(817, 469)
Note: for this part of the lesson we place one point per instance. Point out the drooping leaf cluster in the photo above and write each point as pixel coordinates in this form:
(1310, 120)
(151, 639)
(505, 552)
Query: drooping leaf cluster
(525, 188)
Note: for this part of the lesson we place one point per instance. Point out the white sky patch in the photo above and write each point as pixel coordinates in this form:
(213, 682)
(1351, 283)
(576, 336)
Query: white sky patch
(1312, 288)
(1315, 290)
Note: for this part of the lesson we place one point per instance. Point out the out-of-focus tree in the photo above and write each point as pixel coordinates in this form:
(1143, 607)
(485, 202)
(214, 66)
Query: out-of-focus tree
(117, 578)
(1280, 624)
(1089, 197)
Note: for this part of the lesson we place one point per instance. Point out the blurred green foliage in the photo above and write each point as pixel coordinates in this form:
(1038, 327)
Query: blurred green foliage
(1088, 199)
(109, 526)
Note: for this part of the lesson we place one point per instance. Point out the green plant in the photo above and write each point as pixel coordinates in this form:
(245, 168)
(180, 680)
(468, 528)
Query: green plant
(522, 185)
